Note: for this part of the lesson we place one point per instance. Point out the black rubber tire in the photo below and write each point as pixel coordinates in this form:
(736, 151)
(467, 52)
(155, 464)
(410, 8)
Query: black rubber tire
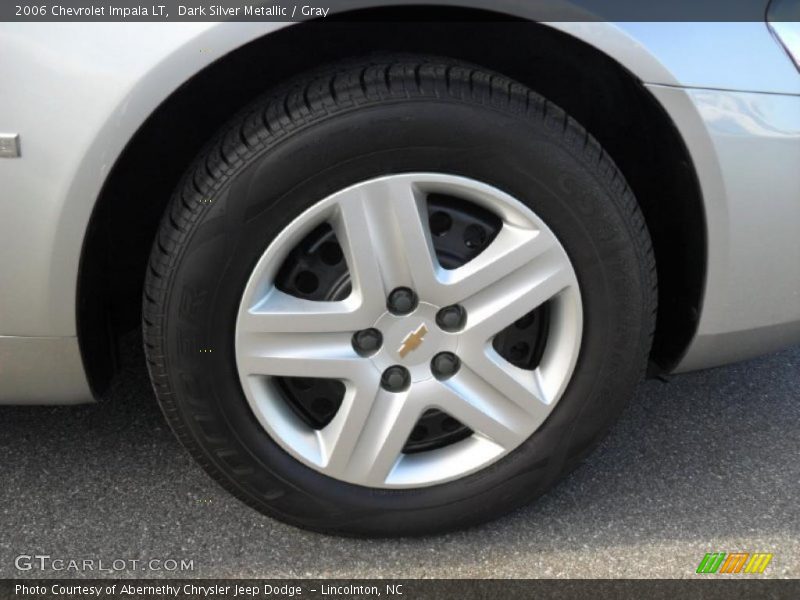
(321, 133)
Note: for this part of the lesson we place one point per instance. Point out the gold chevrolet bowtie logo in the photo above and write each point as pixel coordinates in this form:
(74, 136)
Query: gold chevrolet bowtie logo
(412, 341)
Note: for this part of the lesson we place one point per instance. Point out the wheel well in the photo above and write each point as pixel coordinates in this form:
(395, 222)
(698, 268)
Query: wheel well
(604, 97)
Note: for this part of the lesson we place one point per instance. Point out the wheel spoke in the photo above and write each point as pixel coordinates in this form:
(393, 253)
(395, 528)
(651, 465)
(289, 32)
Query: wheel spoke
(494, 308)
(513, 247)
(488, 410)
(366, 438)
(385, 238)
(523, 387)
(280, 312)
(328, 355)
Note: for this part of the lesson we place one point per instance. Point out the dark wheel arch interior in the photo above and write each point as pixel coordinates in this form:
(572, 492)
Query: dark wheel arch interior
(605, 98)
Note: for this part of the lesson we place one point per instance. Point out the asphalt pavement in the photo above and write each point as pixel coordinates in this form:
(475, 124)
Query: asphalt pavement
(705, 463)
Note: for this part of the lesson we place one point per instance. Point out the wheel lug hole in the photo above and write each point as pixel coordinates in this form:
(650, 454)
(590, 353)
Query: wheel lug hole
(474, 237)
(402, 301)
(396, 379)
(440, 223)
(451, 318)
(367, 341)
(444, 365)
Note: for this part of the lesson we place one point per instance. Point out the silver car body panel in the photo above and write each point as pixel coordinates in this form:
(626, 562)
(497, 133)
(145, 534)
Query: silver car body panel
(746, 149)
(76, 93)
(42, 370)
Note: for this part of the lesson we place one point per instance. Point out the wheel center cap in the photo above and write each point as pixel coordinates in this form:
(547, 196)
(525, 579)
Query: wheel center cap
(412, 340)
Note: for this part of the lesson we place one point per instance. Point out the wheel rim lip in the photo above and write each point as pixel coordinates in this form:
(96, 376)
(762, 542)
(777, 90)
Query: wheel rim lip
(432, 467)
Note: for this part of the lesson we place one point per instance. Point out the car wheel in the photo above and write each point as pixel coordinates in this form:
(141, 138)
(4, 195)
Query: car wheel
(396, 298)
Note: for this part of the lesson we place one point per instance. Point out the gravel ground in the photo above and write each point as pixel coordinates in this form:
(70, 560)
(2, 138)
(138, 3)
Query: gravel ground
(707, 462)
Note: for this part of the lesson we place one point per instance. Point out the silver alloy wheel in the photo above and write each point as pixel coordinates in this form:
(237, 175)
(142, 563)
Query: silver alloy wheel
(383, 230)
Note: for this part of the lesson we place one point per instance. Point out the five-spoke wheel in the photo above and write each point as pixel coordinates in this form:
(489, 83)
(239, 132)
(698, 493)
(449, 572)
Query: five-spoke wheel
(411, 336)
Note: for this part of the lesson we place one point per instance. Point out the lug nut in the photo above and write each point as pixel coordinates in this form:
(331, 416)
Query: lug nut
(401, 301)
(395, 379)
(451, 318)
(367, 341)
(444, 365)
